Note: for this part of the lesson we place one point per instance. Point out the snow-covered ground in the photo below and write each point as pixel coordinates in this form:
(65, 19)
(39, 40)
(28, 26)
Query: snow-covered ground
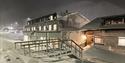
(97, 54)
(8, 54)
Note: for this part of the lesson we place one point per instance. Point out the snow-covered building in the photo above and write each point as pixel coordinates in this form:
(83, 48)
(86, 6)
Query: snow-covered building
(109, 31)
(55, 26)
(62, 32)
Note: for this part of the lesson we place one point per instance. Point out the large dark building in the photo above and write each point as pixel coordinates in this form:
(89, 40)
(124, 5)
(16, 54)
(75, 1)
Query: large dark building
(109, 31)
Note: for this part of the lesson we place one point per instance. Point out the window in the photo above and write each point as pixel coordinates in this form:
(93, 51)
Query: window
(28, 29)
(114, 21)
(42, 38)
(28, 23)
(55, 27)
(98, 40)
(44, 28)
(39, 28)
(121, 41)
(26, 38)
(51, 17)
(50, 27)
(34, 28)
(121, 21)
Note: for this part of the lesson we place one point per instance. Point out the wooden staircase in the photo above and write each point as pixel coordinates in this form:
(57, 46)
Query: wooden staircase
(53, 47)
(75, 49)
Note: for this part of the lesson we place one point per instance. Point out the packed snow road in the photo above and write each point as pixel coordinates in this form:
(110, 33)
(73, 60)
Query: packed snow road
(99, 54)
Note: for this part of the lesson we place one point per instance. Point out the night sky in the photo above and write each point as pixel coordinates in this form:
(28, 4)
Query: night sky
(18, 10)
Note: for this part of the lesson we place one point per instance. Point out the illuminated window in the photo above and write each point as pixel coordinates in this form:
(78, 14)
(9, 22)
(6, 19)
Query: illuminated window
(50, 27)
(121, 41)
(44, 28)
(55, 27)
(34, 28)
(26, 38)
(42, 38)
(98, 40)
(51, 17)
(39, 28)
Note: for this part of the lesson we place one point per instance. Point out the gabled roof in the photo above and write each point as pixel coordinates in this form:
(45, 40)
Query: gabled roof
(74, 20)
(97, 23)
(36, 20)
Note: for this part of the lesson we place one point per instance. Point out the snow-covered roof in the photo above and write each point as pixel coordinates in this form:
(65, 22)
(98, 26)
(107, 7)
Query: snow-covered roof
(74, 20)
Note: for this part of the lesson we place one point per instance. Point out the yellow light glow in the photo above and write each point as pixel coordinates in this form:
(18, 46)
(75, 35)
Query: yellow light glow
(84, 37)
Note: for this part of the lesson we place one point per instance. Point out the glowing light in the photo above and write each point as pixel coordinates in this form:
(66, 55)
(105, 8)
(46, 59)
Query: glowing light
(42, 38)
(10, 27)
(34, 28)
(55, 27)
(51, 17)
(84, 37)
(50, 27)
(39, 28)
(26, 38)
(121, 41)
(44, 28)
(28, 19)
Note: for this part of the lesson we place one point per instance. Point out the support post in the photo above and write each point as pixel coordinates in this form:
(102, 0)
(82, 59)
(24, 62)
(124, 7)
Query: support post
(15, 45)
(29, 49)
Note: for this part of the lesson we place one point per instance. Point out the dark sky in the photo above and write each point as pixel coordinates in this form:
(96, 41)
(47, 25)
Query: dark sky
(19, 10)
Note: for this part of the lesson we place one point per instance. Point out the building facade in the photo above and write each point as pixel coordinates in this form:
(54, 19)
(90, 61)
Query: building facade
(108, 31)
(57, 26)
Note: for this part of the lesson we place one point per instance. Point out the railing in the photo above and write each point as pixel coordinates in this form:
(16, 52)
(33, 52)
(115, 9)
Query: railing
(74, 47)
(37, 45)
(70, 45)
(32, 42)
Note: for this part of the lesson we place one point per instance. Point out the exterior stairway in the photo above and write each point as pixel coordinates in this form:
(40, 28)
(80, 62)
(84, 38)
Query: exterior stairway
(59, 53)
(62, 48)
(75, 49)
